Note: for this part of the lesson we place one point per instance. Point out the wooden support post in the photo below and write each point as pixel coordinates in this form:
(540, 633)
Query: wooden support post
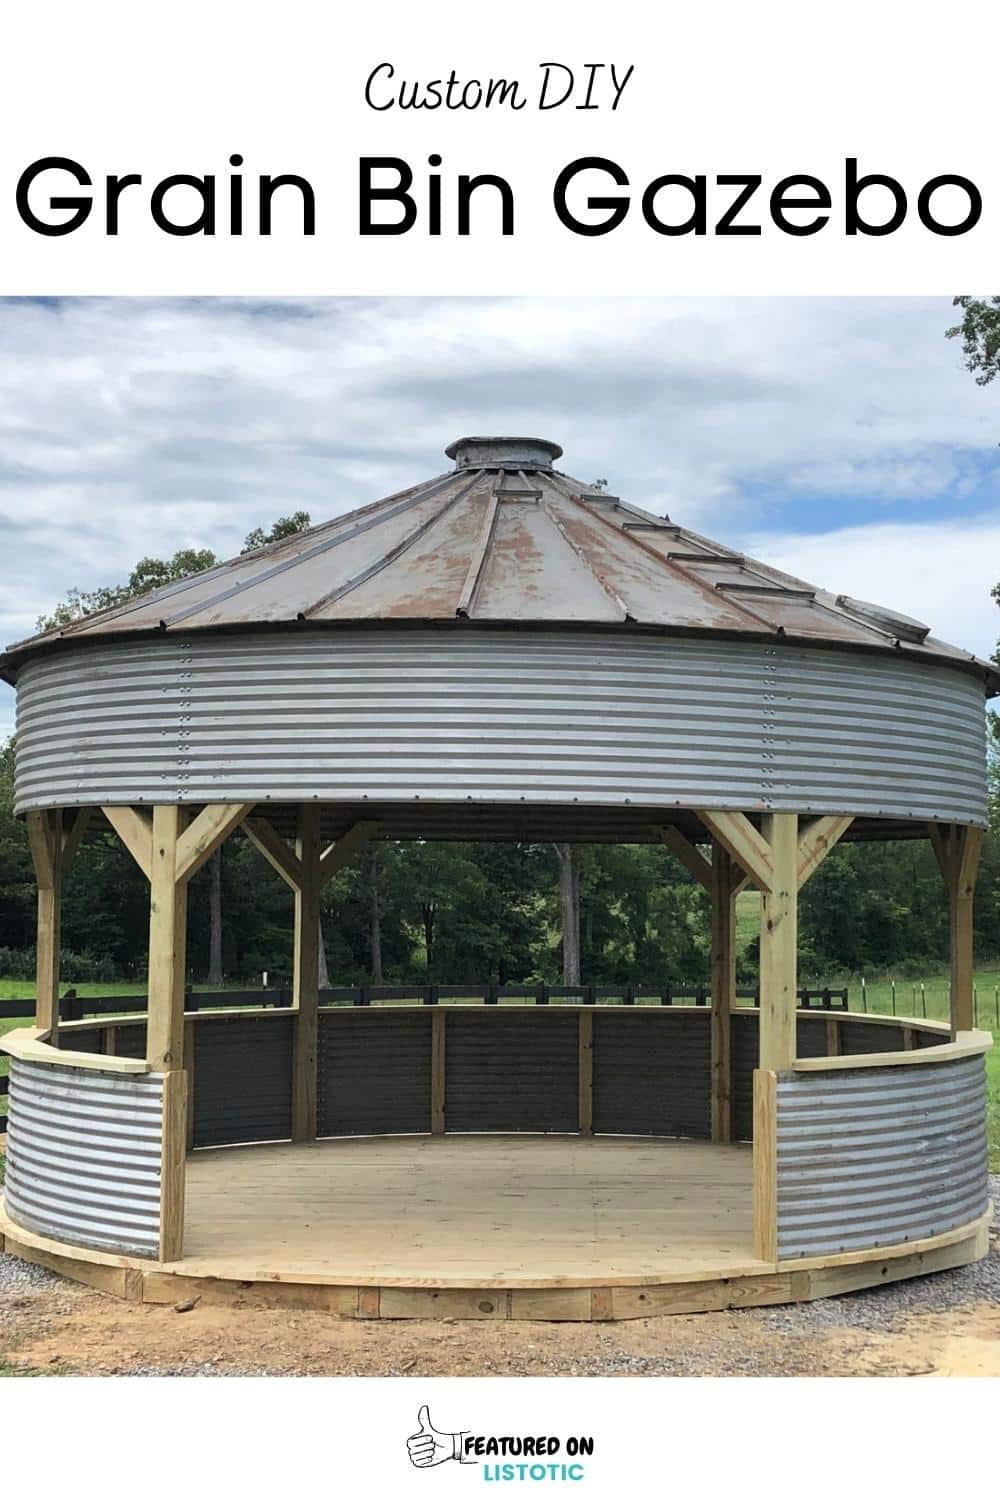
(958, 848)
(45, 840)
(305, 975)
(723, 990)
(765, 1165)
(586, 1072)
(165, 1027)
(778, 943)
(438, 1043)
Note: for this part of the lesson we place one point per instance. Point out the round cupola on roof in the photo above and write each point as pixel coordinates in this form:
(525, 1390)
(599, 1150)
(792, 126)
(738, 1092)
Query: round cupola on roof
(503, 453)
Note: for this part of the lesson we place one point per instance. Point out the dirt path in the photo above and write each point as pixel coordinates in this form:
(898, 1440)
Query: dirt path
(53, 1327)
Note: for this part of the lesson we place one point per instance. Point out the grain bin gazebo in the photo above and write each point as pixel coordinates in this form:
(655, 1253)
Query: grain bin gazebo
(501, 652)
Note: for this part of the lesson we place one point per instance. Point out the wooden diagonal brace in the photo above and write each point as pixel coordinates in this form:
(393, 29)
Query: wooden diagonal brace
(740, 839)
(687, 854)
(72, 835)
(211, 827)
(279, 855)
(343, 851)
(816, 841)
(135, 829)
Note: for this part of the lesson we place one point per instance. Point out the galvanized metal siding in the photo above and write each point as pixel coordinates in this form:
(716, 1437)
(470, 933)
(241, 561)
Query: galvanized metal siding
(242, 1080)
(745, 1047)
(473, 713)
(810, 1042)
(83, 1156)
(652, 1073)
(512, 1072)
(879, 1156)
(130, 1041)
(374, 1073)
(857, 1037)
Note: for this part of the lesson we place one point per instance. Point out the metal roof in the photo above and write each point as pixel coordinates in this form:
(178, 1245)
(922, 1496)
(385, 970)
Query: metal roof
(505, 538)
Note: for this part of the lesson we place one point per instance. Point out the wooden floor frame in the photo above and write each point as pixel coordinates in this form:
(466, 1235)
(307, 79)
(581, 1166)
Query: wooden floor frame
(552, 1299)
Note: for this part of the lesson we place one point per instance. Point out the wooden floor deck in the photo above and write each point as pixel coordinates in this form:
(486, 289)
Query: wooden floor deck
(471, 1211)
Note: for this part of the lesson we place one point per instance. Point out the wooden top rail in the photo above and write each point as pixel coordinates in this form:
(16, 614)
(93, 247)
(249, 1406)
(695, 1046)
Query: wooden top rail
(29, 1045)
(966, 1044)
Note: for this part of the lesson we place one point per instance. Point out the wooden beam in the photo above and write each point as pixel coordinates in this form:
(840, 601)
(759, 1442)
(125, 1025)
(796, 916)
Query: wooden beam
(740, 839)
(45, 842)
(586, 1071)
(778, 944)
(765, 1165)
(165, 1026)
(167, 945)
(816, 841)
(723, 991)
(958, 848)
(305, 975)
(210, 829)
(135, 830)
(172, 1164)
(687, 854)
(438, 1044)
(343, 851)
(279, 855)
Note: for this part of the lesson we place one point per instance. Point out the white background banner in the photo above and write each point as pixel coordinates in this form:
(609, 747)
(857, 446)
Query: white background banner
(762, 95)
(261, 1439)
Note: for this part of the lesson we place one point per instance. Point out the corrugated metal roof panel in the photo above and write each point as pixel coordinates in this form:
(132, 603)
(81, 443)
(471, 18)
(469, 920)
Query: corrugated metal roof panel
(504, 538)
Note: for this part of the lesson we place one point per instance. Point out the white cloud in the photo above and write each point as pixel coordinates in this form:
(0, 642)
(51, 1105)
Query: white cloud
(130, 427)
(940, 573)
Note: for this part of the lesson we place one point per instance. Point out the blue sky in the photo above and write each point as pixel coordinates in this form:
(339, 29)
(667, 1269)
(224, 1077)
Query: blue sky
(838, 438)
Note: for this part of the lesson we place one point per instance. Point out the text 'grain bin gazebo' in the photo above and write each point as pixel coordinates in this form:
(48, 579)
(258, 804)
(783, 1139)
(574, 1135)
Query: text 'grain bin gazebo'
(498, 653)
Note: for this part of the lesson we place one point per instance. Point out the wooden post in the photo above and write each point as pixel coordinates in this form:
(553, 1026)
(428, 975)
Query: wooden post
(45, 839)
(779, 943)
(438, 1044)
(165, 1027)
(167, 945)
(765, 1165)
(958, 848)
(723, 990)
(305, 974)
(586, 1119)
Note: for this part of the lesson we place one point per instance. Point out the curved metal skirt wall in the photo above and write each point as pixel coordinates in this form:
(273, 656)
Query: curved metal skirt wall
(500, 716)
(879, 1156)
(83, 1156)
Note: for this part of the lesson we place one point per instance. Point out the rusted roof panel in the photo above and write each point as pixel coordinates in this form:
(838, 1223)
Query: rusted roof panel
(504, 537)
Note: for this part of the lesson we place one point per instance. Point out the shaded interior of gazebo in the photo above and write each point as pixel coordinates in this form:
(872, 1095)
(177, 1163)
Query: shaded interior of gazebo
(500, 653)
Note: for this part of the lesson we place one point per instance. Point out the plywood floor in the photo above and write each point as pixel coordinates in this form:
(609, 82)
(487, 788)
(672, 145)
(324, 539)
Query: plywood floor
(471, 1210)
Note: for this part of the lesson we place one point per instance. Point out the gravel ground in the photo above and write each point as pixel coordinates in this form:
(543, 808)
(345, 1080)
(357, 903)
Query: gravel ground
(828, 1337)
(883, 1309)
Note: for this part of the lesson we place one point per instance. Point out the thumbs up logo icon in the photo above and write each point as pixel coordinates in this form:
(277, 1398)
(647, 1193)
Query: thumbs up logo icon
(428, 1447)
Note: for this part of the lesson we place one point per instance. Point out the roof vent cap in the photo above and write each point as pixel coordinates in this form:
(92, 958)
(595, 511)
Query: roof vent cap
(903, 626)
(503, 453)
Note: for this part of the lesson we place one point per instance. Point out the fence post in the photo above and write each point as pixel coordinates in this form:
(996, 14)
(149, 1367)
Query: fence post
(864, 995)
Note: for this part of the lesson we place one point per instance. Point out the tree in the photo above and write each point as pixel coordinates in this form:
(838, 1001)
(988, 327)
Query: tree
(284, 526)
(569, 911)
(979, 331)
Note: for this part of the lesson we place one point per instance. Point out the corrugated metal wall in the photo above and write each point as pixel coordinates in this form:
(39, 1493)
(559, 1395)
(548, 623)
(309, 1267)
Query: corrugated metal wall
(374, 1073)
(242, 1080)
(879, 1156)
(652, 1073)
(83, 1156)
(505, 1071)
(527, 717)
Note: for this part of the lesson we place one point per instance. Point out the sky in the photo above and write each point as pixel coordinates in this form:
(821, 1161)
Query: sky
(840, 439)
